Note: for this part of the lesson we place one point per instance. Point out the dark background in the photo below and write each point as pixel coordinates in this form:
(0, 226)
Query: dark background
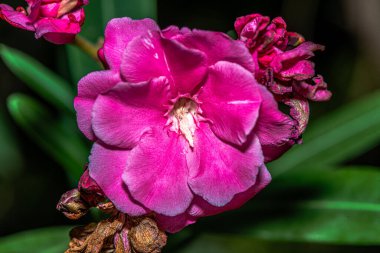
(31, 182)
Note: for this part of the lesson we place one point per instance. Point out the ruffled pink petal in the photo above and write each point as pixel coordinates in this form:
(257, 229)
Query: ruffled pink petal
(119, 32)
(201, 208)
(274, 129)
(219, 47)
(231, 101)
(89, 87)
(219, 171)
(106, 168)
(157, 173)
(174, 224)
(15, 18)
(122, 115)
(152, 55)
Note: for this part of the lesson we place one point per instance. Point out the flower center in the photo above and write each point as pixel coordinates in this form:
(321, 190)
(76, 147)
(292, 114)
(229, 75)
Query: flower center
(184, 118)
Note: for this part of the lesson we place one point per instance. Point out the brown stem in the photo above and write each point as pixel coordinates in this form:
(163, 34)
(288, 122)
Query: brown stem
(87, 47)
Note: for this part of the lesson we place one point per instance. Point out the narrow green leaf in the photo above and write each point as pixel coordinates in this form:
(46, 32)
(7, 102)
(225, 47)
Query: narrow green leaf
(56, 138)
(44, 240)
(39, 78)
(337, 206)
(11, 159)
(217, 243)
(336, 137)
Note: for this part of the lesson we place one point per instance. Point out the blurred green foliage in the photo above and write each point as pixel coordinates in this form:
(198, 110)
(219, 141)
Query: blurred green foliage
(316, 203)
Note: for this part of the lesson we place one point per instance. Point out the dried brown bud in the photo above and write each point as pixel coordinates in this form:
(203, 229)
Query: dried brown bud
(96, 238)
(146, 237)
(71, 205)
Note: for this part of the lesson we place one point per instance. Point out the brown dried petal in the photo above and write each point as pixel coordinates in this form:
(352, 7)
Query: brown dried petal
(146, 237)
(299, 110)
(95, 239)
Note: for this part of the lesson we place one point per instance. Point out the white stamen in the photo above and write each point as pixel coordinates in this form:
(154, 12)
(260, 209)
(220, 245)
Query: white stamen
(183, 118)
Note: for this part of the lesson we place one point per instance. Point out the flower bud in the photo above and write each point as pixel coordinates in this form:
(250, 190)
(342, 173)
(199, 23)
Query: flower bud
(71, 205)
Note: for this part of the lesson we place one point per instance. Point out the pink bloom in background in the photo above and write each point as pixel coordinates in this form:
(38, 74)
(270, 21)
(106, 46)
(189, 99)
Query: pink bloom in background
(181, 127)
(58, 21)
(282, 64)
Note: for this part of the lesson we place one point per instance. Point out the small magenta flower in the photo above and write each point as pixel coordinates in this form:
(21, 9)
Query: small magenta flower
(180, 125)
(283, 65)
(58, 21)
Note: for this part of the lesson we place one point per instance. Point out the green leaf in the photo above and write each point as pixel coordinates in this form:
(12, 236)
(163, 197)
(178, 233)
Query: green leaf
(337, 137)
(39, 78)
(57, 136)
(44, 240)
(11, 159)
(340, 206)
(217, 243)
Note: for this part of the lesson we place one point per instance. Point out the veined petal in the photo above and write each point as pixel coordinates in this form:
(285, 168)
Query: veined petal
(122, 115)
(151, 55)
(219, 171)
(231, 101)
(157, 173)
(119, 32)
(106, 168)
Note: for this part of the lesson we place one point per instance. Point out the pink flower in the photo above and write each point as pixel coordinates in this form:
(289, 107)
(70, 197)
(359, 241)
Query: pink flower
(58, 21)
(181, 127)
(283, 65)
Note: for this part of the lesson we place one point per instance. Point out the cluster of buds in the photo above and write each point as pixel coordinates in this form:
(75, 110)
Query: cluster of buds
(283, 65)
(118, 233)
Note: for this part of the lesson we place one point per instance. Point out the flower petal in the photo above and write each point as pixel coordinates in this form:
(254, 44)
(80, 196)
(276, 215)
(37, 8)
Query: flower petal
(290, 57)
(157, 173)
(231, 101)
(274, 129)
(60, 31)
(219, 171)
(151, 55)
(219, 47)
(314, 89)
(174, 224)
(89, 87)
(119, 32)
(106, 168)
(122, 115)
(15, 18)
(201, 208)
